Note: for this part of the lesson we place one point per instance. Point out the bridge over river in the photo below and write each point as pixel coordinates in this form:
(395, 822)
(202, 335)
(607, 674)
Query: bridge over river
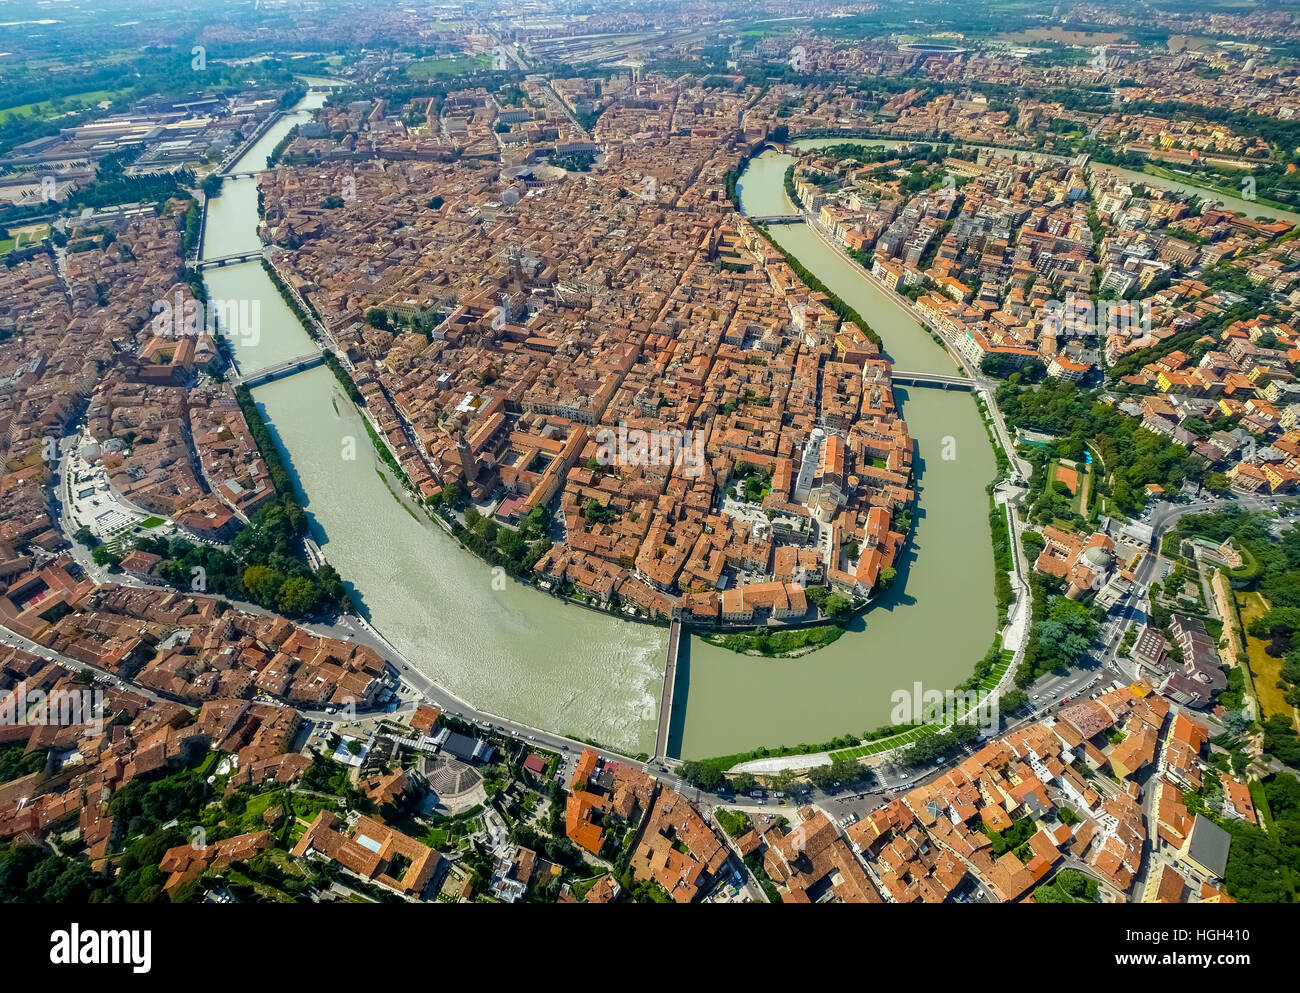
(939, 380)
(288, 367)
(235, 258)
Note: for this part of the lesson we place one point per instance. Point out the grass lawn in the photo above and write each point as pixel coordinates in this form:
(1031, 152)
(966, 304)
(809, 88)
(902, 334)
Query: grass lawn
(1068, 886)
(152, 522)
(307, 807)
(1264, 669)
(1086, 488)
(1079, 495)
(582, 887)
(450, 66)
(258, 805)
(74, 101)
(25, 236)
(885, 744)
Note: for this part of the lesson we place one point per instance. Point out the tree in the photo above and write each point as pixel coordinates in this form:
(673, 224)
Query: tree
(822, 776)
(596, 514)
(838, 606)
(453, 495)
(702, 774)
(105, 556)
(1061, 639)
(1216, 482)
(1013, 700)
(511, 542)
(783, 781)
(297, 596)
(263, 583)
(742, 782)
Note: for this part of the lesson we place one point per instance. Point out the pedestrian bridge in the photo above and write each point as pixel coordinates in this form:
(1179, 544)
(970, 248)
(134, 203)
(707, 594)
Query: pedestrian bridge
(932, 379)
(775, 218)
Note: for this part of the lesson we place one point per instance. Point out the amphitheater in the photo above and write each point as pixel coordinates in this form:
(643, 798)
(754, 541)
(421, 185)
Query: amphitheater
(449, 777)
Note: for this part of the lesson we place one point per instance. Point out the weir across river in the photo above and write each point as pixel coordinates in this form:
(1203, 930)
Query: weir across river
(666, 696)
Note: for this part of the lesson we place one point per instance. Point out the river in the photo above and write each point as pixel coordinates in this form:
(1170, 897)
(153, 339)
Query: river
(940, 616)
(522, 654)
(513, 651)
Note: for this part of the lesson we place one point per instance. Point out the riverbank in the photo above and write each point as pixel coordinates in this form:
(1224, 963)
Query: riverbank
(1161, 176)
(776, 644)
